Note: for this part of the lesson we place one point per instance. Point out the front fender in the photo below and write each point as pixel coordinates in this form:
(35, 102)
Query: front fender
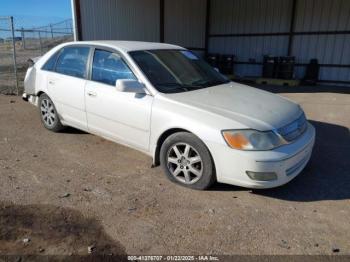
(165, 120)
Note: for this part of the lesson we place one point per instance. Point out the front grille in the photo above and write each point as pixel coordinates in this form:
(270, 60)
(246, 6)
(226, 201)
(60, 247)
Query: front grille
(293, 130)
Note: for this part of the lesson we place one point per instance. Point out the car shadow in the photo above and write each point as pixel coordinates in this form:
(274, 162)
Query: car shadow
(326, 177)
(34, 231)
(72, 130)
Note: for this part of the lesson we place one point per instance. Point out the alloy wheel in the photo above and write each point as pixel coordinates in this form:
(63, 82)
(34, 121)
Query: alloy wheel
(185, 163)
(48, 113)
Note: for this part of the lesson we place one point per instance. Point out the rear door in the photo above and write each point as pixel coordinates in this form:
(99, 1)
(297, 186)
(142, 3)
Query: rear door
(124, 117)
(66, 84)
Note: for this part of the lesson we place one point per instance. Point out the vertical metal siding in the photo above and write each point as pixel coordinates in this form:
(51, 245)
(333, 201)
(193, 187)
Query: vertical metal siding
(249, 16)
(323, 15)
(271, 16)
(185, 25)
(185, 22)
(120, 19)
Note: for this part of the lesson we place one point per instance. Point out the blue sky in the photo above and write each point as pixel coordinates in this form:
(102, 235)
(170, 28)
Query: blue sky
(29, 13)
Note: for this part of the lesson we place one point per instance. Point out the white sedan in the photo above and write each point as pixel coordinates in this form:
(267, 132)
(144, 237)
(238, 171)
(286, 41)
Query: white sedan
(167, 102)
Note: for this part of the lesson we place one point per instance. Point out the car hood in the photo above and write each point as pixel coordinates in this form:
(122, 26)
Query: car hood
(251, 107)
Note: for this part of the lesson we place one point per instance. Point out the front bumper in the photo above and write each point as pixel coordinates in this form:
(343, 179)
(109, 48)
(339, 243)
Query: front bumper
(286, 161)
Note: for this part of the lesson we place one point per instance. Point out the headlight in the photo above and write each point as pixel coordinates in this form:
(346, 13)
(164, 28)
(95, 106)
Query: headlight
(252, 139)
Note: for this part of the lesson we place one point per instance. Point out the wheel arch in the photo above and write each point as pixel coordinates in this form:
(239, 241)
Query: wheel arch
(165, 135)
(40, 93)
(160, 141)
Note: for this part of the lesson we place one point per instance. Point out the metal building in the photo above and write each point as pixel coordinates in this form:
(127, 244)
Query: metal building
(248, 29)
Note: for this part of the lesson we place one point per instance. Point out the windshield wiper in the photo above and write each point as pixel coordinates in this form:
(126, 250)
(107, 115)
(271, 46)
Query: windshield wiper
(173, 86)
(208, 82)
(184, 87)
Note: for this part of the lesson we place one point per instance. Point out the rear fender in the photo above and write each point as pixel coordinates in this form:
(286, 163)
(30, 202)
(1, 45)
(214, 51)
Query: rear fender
(29, 81)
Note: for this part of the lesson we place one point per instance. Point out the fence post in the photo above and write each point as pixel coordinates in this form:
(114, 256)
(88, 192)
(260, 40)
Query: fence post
(41, 44)
(23, 38)
(14, 53)
(51, 31)
(71, 28)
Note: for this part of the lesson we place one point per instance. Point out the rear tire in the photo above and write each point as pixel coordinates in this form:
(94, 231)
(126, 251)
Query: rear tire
(48, 114)
(187, 161)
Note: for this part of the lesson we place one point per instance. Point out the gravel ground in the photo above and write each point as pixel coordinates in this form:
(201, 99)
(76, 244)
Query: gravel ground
(75, 193)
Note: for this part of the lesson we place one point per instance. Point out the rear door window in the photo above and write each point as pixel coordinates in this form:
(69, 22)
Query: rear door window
(108, 67)
(72, 61)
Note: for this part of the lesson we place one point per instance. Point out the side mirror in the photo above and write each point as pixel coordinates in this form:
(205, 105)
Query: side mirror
(130, 86)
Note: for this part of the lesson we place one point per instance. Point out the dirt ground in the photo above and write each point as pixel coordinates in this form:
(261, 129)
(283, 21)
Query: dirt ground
(75, 193)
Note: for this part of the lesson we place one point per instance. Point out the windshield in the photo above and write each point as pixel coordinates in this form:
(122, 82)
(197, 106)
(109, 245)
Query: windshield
(172, 71)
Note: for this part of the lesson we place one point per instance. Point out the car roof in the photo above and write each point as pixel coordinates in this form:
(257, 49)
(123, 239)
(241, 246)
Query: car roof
(128, 46)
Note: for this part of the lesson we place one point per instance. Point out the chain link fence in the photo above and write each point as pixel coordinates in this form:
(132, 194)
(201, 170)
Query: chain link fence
(8, 68)
(18, 44)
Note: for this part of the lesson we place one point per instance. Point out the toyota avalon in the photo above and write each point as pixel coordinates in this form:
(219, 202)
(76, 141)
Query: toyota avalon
(167, 102)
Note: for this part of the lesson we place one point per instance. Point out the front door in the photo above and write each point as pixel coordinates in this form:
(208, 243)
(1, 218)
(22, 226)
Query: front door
(124, 117)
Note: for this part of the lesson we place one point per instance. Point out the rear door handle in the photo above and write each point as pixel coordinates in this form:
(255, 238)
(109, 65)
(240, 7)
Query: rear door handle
(91, 93)
(51, 82)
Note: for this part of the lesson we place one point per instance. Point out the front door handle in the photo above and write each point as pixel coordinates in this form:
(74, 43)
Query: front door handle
(51, 82)
(91, 93)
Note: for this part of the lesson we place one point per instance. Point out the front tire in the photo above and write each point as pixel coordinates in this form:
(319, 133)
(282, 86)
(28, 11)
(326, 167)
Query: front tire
(186, 160)
(48, 114)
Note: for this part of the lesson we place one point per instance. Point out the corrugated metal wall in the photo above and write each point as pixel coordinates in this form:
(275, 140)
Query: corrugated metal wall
(323, 15)
(274, 16)
(249, 16)
(120, 20)
(184, 22)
